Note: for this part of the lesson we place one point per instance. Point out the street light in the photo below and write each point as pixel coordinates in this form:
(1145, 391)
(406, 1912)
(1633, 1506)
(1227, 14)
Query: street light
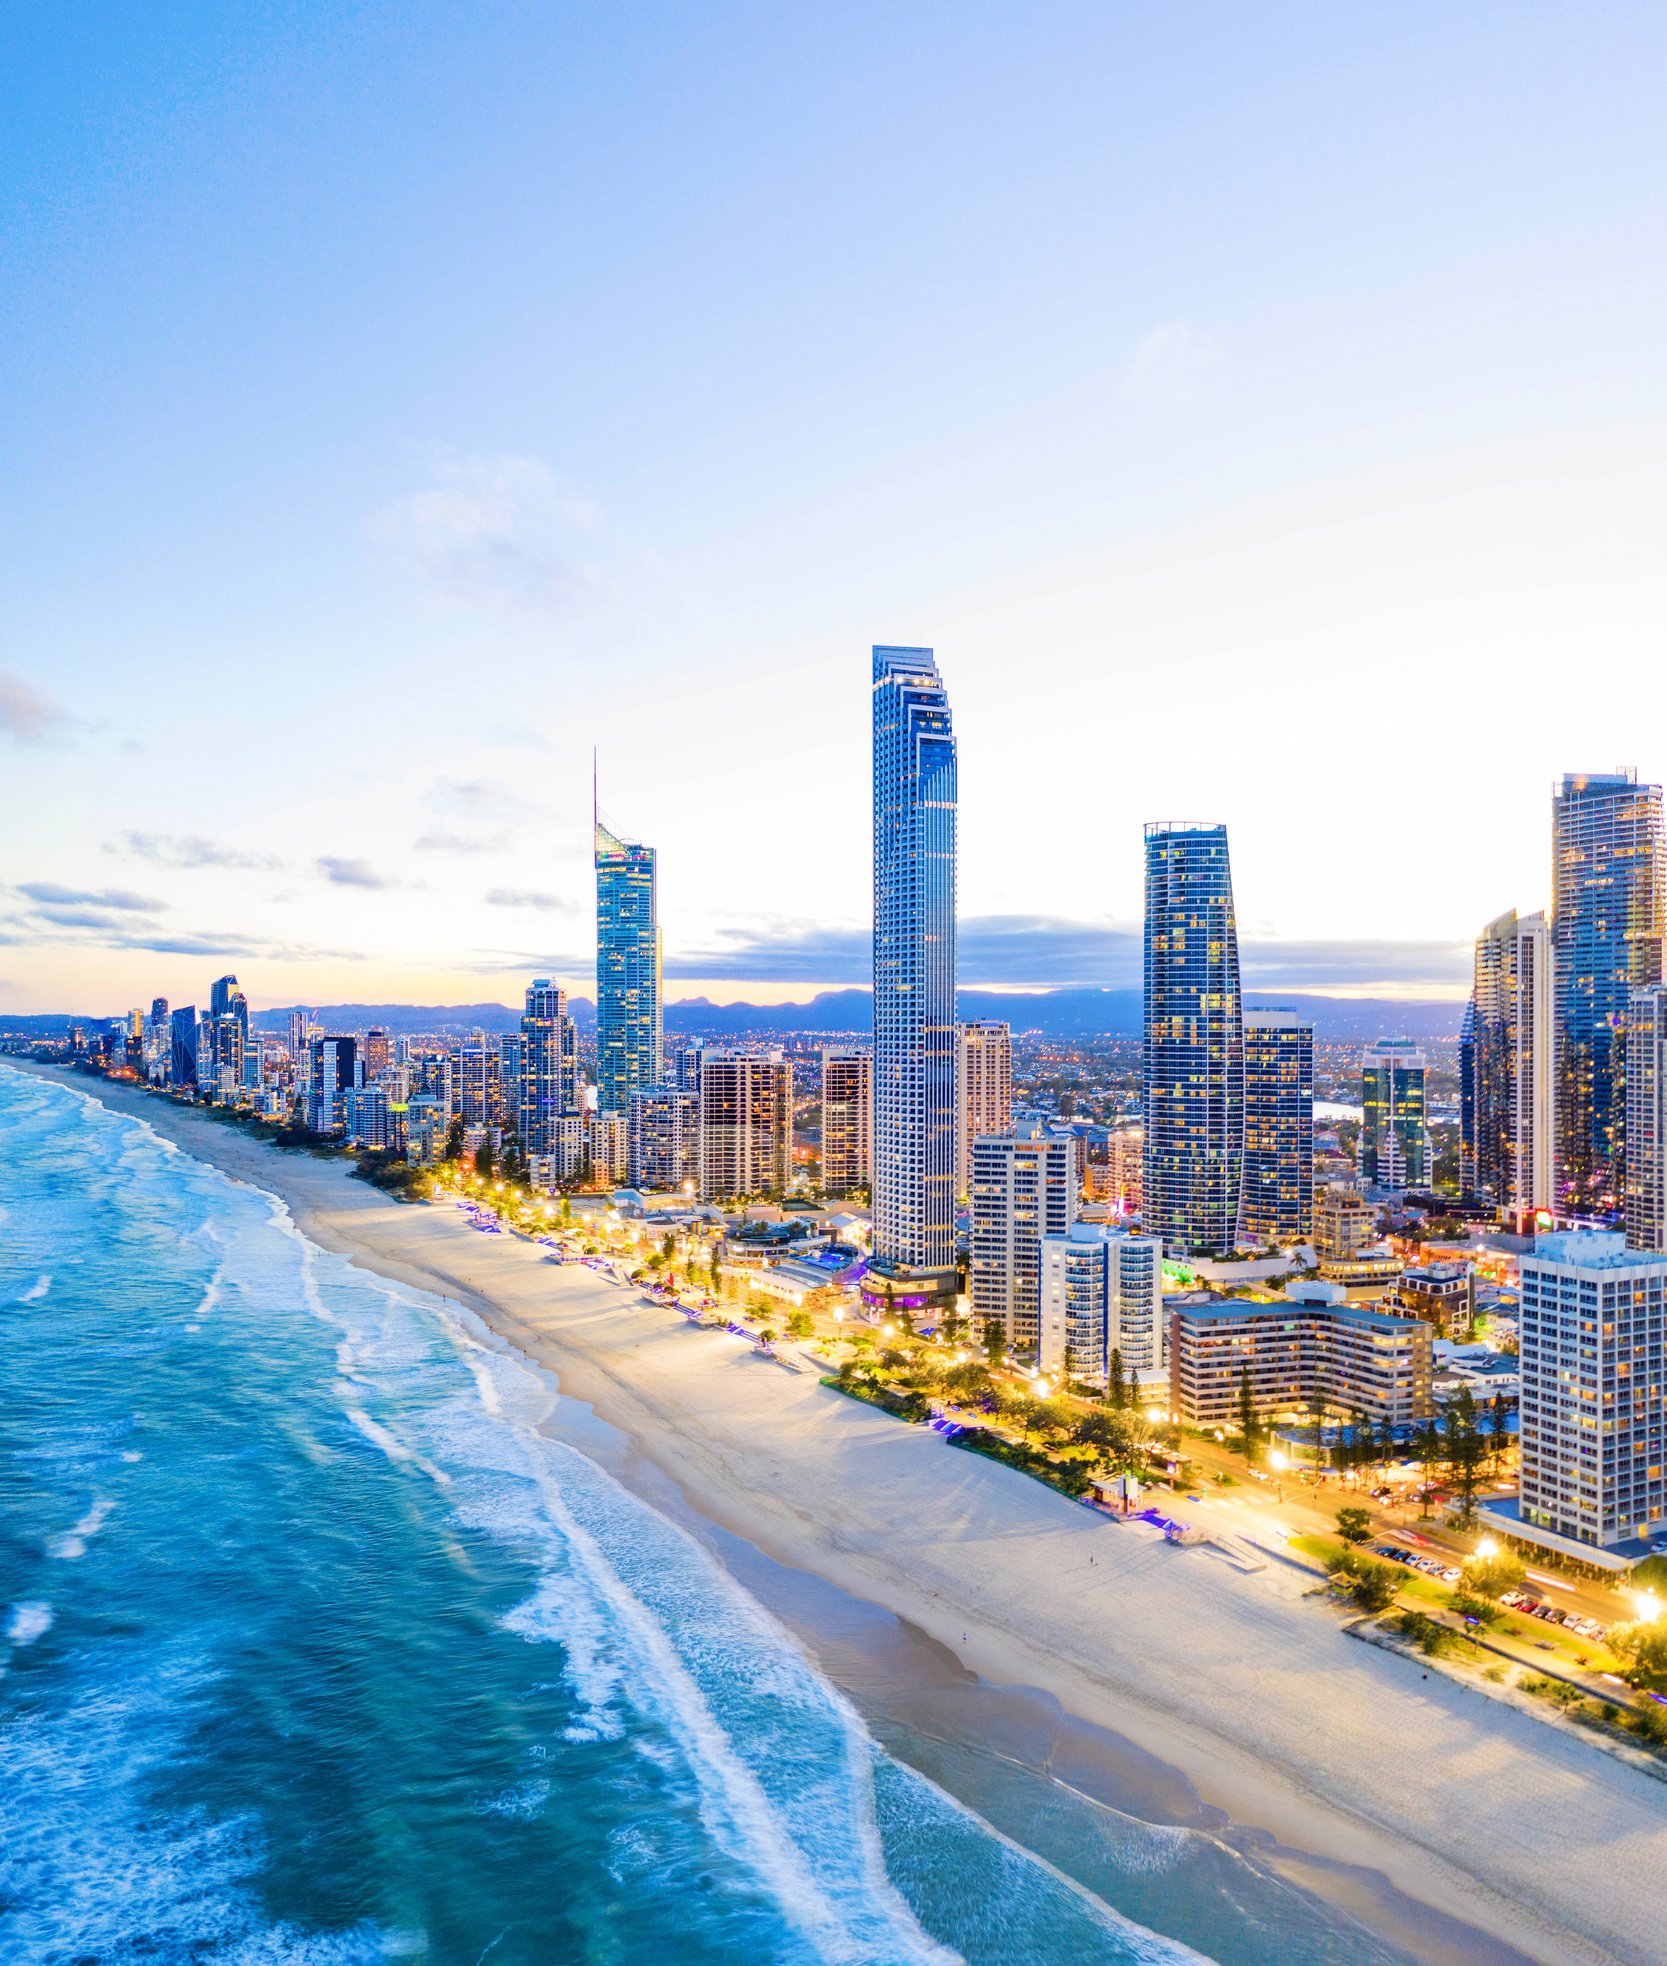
(1487, 1547)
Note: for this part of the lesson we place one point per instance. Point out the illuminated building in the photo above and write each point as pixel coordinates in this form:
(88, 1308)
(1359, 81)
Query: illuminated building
(1024, 1187)
(746, 1123)
(1289, 1353)
(1126, 1167)
(334, 1073)
(1193, 1064)
(1442, 1294)
(379, 1057)
(1276, 1206)
(983, 1090)
(1101, 1291)
(1607, 917)
(1646, 1120)
(847, 1120)
(1508, 1132)
(915, 1037)
(610, 1146)
(1343, 1224)
(549, 1067)
(663, 1144)
(182, 1046)
(1394, 1138)
(627, 971)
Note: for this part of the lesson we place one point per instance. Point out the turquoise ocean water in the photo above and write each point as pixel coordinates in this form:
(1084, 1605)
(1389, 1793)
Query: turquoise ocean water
(313, 1648)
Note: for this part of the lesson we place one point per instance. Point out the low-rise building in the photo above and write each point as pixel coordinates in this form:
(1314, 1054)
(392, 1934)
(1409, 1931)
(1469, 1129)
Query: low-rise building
(1442, 1294)
(1360, 1359)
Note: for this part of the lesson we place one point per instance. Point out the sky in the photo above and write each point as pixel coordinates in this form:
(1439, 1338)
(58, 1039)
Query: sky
(1260, 409)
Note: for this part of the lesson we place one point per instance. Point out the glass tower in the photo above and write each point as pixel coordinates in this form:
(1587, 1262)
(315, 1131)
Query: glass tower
(627, 971)
(1193, 1066)
(1277, 1203)
(1394, 1134)
(1507, 1117)
(915, 1032)
(548, 1091)
(1608, 913)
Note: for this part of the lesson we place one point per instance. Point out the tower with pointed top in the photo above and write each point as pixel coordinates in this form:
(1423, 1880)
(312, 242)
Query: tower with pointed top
(628, 1015)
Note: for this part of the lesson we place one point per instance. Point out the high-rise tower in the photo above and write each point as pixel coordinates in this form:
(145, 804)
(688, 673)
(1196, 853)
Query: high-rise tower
(915, 1036)
(1277, 1203)
(627, 971)
(1608, 911)
(549, 1084)
(1194, 1051)
(1508, 1132)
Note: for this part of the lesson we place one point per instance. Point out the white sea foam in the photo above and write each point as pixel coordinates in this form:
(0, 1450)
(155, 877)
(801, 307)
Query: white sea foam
(72, 1543)
(36, 1291)
(394, 1447)
(29, 1620)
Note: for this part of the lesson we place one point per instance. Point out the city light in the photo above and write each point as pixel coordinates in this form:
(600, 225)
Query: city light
(1487, 1547)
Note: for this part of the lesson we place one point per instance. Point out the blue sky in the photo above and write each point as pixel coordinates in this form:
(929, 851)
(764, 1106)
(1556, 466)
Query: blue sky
(1259, 409)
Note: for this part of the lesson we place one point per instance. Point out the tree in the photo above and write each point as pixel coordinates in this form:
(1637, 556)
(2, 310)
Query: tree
(1354, 1525)
(1375, 1586)
(969, 1384)
(1117, 1389)
(454, 1141)
(1110, 1433)
(1465, 1451)
(1386, 1441)
(483, 1159)
(1319, 1406)
(1491, 1576)
(1642, 1649)
(1250, 1427)
(800, 1324)
(668, 1247)
(1499, 1428)
(995, 1341)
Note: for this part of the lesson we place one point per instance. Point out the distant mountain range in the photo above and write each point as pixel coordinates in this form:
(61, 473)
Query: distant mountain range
(1051, 1013)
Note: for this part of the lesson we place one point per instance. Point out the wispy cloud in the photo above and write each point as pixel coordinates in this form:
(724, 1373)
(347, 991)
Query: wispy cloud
(503, 530)
(352, 872)
(518, 897)
(50, 892)
(476, 798)
(460, 843)
(1171, 367)
(29, 716)
(188, 850)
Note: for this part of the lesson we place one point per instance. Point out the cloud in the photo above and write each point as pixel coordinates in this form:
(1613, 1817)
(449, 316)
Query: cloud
(71, 917)
(476, 797)
(1439, 967)
(460, 843)
(352, 873)
(28, 715)
(1171, 367)
(504, 530)
(103, 897)
(517, 897)
(188, 850)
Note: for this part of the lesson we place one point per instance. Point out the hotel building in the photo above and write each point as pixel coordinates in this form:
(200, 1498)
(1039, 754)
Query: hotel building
(1361, 1360)
(847, 1120)
(746, 1123)
(1507, 1146)
(1101, 1292)
(628, 1033)
(1024, 1187)
(983, 1090)
(1276, 1206)
(1394, 1136)
(1646, 1120)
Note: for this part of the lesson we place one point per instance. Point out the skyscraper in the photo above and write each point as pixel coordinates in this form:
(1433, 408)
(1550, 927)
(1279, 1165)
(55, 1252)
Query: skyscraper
(662, 1148)
(1024, 1187)
(1608, 912)
(1394, 1135)
(627, 971)
(746, 1123)
(1276, 1204)
(915, 1037)
(549, 1081)
(1646, 1120)
(983, 1090)
(1508, 1150)
(182, 1046)
(1102, 1293)
(1193, 1064)
(847, 1120)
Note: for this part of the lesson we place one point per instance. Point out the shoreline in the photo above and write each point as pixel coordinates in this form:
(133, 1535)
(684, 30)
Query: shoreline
(1458, 1804)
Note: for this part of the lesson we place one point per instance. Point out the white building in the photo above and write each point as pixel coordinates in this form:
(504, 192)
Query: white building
(1508, 1155)
(983, 1091)
(663, 1146)
(1024, 1187)
(1102, 1292)
(746, 1123)
(1646, 1120)
(1593, 1337)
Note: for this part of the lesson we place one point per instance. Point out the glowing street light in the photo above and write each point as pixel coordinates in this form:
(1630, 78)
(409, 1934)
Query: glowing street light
(1278, 1460)
(1647, 1605)
(1487, 1547)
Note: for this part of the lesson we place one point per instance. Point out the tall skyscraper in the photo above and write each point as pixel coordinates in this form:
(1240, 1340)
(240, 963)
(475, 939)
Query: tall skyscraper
(1024, 1188)
(182, 1036)
(746, 1123)
(549, 1077)
(627, 971)
(1593, 1422)
(1507, 1118)
(915, 1038)
(1646, 1120)
(1194, 1043)
(1608, 913)
(662, 1149)
(847, 1120)
(335, 1073)
(379, 1056)
(1394, 1134)
(221, 1045)
(1276, 1204)
(983, 1090)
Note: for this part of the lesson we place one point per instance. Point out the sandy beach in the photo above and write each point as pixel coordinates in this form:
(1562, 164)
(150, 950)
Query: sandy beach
(1271, 1711)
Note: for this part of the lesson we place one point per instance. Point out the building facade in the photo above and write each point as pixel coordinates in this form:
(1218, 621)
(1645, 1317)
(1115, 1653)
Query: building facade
(746, 1123)
(847, 1120)
(334, 1073)
(1507, 1118)
(915, 1030)
(1593, 1412)
(1102, 1294)
(549, 1085)
(1276, 1205)
(983, 1090)
(1609, 909)
(1359, 1360)
(628, 1004)
(1394, 1130)
(1646, 1120)
(182, 1046)
(663, 1142)
(1024, 1187)
(1193, 1064)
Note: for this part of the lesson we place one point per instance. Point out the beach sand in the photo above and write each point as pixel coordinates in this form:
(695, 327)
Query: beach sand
(1347, 1755)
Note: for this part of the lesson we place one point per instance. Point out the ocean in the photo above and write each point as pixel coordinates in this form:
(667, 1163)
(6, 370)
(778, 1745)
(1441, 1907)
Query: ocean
(317, 1645)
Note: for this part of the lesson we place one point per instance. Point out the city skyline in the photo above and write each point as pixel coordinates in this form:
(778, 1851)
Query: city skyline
(1407, 446)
